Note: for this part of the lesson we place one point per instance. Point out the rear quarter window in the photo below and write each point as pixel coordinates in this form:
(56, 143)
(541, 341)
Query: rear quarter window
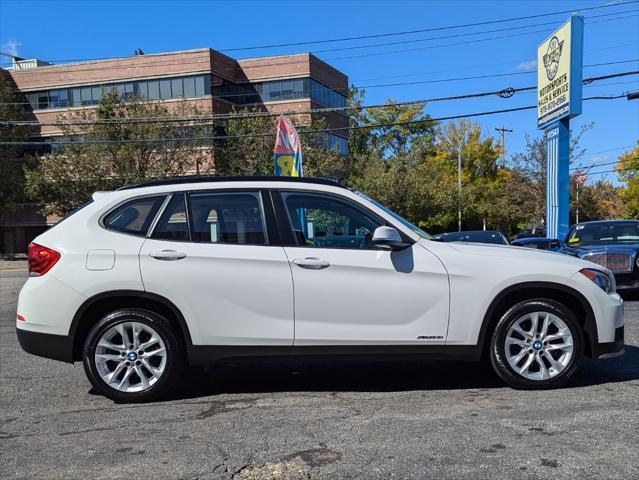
(135, 216)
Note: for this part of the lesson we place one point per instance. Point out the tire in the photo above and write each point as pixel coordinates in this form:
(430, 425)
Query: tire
(509, 360)
(141, 375)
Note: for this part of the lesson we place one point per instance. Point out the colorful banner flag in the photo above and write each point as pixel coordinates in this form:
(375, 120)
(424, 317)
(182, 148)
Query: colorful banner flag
(288, 150)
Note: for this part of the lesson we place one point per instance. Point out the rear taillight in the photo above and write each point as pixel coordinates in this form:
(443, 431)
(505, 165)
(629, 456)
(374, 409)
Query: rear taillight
(41, 259)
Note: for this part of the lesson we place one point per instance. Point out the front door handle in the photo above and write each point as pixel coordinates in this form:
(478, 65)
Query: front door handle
(168, 255)
(311, 263)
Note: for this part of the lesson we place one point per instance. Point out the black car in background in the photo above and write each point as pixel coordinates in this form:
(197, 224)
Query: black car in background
(476, 236)
(530, 233)
(613, 244)
(540, 243)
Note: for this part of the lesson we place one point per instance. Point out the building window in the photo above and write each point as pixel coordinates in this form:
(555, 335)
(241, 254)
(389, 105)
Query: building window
(277, 90)
(154, 90)
(191, 86)
(176, 88)
(333, 142)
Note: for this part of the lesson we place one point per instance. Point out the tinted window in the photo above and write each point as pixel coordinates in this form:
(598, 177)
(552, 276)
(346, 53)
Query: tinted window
(327, 222)
(165, 89)
(154, 89)
(176, 87)
(173, 223)
(609, 232)
(134, 217)
(189, 87)
(230, 218)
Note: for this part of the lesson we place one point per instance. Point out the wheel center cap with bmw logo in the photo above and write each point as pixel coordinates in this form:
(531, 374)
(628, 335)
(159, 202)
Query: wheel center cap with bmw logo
(132, 357)
(537, 345)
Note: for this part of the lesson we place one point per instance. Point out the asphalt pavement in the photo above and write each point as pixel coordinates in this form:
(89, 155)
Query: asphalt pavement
(317, 420)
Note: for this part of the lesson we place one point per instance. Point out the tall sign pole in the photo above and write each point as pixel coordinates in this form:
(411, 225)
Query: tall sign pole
(559, 94)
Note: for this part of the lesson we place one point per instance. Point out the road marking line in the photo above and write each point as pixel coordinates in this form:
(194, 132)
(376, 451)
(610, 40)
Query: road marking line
(15, 270)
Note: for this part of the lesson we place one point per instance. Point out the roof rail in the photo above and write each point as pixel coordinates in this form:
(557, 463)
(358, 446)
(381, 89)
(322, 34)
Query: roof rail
(215, 178)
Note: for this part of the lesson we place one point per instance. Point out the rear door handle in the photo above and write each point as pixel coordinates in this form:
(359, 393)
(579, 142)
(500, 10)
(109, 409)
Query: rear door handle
(168, 255)
(311, 263)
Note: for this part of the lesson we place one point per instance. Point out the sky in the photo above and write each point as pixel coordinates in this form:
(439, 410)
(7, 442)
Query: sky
(70, 30)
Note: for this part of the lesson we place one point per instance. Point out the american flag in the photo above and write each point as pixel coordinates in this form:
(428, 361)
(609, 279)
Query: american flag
(580, 177)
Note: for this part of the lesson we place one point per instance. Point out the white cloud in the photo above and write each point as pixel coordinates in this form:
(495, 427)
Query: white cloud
(11, 47)
(527, 65)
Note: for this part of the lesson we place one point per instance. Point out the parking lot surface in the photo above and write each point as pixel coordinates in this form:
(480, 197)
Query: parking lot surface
(317, 420)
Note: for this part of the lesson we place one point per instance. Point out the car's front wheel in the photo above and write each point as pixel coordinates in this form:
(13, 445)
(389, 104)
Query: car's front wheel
(133, 355)
(536, 344)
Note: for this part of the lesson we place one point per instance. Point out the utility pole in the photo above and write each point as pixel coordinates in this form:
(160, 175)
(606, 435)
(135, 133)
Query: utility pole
(459, 189)
(502, 133)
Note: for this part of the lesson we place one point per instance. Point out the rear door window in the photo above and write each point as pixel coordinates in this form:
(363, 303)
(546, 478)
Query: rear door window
(228, 218)
(134, 217)
(173, 224)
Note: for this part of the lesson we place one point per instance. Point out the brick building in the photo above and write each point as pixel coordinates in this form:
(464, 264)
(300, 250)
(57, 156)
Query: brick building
(210, 79)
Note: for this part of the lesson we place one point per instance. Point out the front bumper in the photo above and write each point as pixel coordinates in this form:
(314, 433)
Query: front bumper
(57, 347)
(610, 349)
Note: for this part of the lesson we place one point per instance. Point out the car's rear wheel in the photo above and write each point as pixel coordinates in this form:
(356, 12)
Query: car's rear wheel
(133, 355)
(536, 344)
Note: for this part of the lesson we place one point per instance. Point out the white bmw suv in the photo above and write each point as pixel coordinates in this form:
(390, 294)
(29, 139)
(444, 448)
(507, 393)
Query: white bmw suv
(150, 278)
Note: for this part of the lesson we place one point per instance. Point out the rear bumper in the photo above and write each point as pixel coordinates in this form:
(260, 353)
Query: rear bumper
(57, 347)
(610, 349)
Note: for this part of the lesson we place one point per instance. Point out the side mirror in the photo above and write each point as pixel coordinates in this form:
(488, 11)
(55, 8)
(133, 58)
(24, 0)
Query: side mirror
(388, 238)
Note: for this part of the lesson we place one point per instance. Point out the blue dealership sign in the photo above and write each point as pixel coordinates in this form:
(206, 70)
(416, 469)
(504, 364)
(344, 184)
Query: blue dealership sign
(560, 73)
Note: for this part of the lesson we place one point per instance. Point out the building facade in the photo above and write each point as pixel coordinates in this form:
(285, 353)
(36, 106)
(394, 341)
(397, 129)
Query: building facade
(215, 82)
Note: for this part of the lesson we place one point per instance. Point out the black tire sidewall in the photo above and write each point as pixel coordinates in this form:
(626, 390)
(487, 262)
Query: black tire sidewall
(497, 344)
(174, 351)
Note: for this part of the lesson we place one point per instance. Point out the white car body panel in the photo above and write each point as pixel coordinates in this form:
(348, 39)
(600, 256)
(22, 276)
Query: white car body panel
(252, 295)
(479, 272)
(228, 294)
(370, 297)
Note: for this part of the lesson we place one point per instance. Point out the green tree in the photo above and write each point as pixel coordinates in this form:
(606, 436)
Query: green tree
(598, 201)
(11, 156)
(248, 150)
(124, 140)
(479, 168)
(628, 170)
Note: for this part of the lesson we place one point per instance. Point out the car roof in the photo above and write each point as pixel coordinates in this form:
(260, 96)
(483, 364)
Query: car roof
(620, 220)
(217, 179)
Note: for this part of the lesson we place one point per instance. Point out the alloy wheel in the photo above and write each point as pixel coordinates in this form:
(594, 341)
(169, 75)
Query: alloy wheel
(539, 346)
(130, 357)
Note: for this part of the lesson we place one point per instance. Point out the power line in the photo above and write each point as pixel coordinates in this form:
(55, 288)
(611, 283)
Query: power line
(442, 45)
(210, 61)
(473, 67)
(302, 132)
(424, 30)
(418, 82)
(407, 32)
(419, 40)
(504, 93)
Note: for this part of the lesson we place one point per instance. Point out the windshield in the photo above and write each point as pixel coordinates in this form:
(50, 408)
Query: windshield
(402, 220)
(617, 232)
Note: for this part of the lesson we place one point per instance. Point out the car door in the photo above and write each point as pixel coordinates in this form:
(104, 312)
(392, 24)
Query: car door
(216, 255)
(349, 292)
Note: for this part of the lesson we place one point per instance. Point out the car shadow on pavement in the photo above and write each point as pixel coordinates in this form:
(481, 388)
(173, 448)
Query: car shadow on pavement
(268, 376)
(630, 296)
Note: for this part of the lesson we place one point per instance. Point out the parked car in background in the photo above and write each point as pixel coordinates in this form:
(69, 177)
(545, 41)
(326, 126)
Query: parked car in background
(613, 244)
(144, 280)
(540, 243)
(475, 236)
(529, 233)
